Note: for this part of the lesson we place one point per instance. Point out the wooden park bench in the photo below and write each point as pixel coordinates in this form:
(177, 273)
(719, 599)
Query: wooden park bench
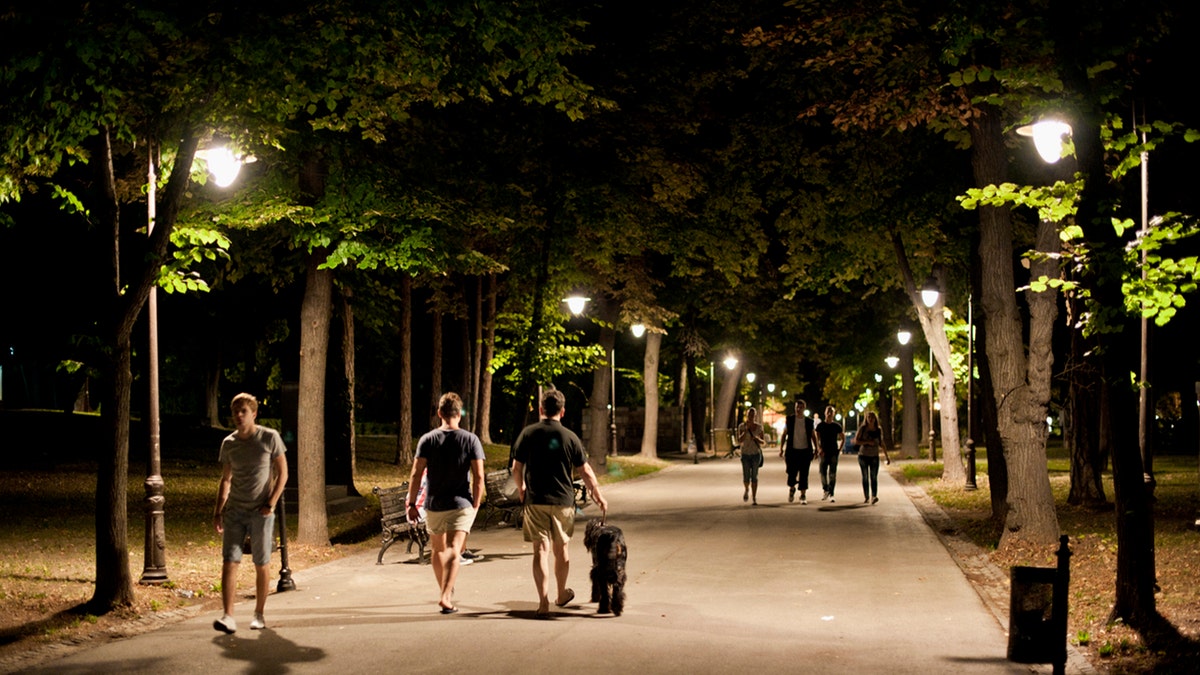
(500, 500)
(395, 522)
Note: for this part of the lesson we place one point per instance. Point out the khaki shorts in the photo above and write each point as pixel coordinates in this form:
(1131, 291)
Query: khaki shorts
(547, 522)
(441, 522)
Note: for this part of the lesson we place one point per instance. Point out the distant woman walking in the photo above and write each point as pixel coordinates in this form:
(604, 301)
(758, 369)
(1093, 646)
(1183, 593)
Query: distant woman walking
(750, 436)
(869, 440)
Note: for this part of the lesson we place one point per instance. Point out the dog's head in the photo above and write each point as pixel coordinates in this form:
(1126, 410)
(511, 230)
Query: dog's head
(591, 535)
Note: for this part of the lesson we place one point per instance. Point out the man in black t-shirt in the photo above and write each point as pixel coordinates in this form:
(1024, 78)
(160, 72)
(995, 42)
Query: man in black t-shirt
(545, 455)
(831, 436)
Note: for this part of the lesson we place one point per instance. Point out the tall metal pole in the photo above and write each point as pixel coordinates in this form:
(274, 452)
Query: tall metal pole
(932, 434)
(971, 485)
(286, 583)
(1144, 412)
(154, 570)
(612, 417)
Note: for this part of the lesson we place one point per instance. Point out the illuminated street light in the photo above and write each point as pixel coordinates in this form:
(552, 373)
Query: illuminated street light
(750, 377)
(929, 293)
(576, 303)
(638, 329)
(730, 362)
(1047, 138)
(904, 336)
(892, 361)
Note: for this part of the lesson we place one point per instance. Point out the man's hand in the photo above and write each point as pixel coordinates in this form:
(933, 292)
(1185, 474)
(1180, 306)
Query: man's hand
(218, 523)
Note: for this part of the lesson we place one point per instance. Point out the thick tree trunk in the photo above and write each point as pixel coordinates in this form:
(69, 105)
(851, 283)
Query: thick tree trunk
(598, 433)
(485, 365)
(315, 311)
(910, 409)
(1030, 516)
(723, 415)
(1083, 428)
(698, 403)
(436, 388)
(650, 382)
(348, 357)
(114, 582)
(404, 431)
(477, 358)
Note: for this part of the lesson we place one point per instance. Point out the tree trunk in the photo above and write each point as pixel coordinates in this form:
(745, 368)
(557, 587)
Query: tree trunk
(477, 357)
(1083, 428)
(650, 382)
(1030, 516)
(698, 400)
(723, 414)
(212, 392)
(598, 432)
(436, 388)
(485, 365)
(348, 357)
(404, 434)
(986, 396)
(910, 407)
(114, 582)
(315, 311)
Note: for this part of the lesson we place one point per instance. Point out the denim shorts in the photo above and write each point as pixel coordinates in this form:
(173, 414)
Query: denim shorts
(237, 524)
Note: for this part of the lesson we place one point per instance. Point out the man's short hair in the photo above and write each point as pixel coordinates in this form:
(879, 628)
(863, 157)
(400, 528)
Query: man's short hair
(244, 399)
(800, 402)
(450, 405)
(553, 402)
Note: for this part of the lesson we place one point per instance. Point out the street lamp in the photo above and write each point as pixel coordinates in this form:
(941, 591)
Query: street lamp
(930, 293)
(971, 485)
(1047, 137)
(576, 303)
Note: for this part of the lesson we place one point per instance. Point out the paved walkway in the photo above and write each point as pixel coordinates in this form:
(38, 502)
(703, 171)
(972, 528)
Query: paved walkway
(715, 586)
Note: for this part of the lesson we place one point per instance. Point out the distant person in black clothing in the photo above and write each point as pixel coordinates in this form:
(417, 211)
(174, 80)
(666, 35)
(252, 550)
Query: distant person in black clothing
(796, 446)
(831, 435)
(545, 455)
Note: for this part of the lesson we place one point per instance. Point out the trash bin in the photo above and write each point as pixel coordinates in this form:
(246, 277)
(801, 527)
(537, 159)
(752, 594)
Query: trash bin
(1037, 617)
(1031, 637)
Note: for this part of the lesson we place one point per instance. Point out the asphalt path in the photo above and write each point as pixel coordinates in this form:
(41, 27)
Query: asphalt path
(716, 585)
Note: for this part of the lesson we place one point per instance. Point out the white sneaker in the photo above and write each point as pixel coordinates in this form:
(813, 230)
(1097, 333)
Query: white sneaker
(226, 624)
(465, 561)
(258, 622)
(831, 499)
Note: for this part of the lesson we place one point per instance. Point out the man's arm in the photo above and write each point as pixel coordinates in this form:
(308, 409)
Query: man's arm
(783, 438)
(477, 481)
(222, 495)
(518, 474)
(593, 486)
(279, 468)
(414, 486)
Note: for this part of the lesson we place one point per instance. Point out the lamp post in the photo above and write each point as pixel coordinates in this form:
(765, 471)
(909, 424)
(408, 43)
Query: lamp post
(154, 569)
(930, 292)
(970, 395)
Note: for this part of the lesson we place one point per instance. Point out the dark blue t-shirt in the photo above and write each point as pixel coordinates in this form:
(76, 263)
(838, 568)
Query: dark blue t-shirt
(448, 453)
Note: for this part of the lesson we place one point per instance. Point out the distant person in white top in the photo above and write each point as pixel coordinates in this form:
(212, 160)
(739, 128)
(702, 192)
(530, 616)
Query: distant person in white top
(253, 475)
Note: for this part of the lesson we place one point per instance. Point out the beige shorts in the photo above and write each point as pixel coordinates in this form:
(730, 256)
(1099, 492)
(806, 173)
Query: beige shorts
(547, 522)
(441, 522)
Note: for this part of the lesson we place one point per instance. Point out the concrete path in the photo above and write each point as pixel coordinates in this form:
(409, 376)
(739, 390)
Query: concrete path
(715, 586)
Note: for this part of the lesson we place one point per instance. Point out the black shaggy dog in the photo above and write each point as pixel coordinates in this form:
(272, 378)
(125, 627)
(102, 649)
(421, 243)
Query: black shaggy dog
(607, 544)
